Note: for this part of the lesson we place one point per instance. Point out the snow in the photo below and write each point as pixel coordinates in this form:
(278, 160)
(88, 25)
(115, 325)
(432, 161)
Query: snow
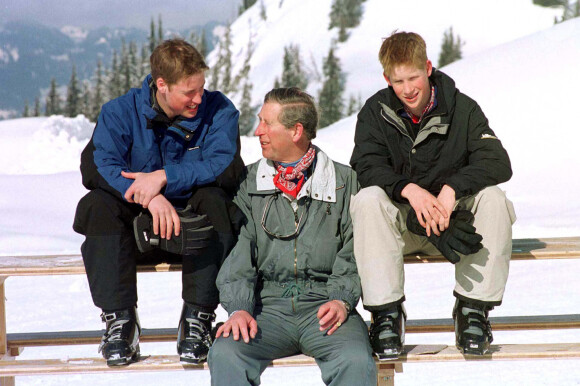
(77, 34)
(526, 88)
(481, 25)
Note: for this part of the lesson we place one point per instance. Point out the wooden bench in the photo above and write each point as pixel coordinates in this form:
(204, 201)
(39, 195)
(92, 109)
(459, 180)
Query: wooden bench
(523, 249)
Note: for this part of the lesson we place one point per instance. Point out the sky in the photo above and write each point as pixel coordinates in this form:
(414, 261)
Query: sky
(179, 14)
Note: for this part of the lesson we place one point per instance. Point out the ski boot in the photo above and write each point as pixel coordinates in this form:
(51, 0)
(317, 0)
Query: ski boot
(194, 336)
(472, 329)
(387, 332)
(120, 343)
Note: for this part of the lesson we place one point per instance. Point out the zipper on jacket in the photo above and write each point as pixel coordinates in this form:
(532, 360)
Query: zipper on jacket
(295, 257)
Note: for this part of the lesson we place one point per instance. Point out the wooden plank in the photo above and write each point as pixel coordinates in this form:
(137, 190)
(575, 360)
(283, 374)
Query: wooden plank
(506, 323)
(501, 323)
(3, 339)
(523, 249)
(413, 353)
(497, 352)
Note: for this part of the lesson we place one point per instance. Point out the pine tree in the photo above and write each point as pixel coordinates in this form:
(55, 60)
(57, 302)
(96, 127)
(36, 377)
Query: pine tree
(152, 40)
(124, 69)
(247, 112)
(292, 72)
(133, 70)
(26, 112)
(221, 72)
(53, 103)
(115, 86)
(569, 9)
(86, 97)
(73, 96)
(354, 105)
(345, 14)
(226, 85)
(330, 96)
(99, 96)
(262, 10)
(159, 31)
(202, 45)
(245, 5)
(36, 107)
(144, 65)
(450, 48)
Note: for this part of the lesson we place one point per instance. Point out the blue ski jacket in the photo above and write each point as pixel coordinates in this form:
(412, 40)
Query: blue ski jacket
(131, 136)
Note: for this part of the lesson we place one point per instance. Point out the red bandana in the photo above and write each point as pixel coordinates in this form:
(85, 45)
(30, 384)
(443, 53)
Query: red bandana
(290, 179)
(427, 108)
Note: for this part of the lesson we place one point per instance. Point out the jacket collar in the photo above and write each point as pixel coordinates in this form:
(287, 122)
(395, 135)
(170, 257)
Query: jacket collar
(183, 127)
(320, 186)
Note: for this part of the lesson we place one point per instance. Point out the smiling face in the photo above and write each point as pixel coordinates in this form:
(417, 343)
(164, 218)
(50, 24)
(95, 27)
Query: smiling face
(182, 98)
(411, 85)
(278, 143)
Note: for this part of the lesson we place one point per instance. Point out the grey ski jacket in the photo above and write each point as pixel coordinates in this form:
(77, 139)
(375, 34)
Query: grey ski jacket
(289, 247)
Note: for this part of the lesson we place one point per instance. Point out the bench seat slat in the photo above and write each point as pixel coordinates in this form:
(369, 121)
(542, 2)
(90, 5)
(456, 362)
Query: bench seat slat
(523, 249)
(413, 353)
(538, 322)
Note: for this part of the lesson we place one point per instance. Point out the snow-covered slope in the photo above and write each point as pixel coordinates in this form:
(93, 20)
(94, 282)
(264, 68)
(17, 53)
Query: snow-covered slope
(480, 25)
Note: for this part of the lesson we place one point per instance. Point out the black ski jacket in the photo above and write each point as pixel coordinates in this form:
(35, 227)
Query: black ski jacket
(454, 145)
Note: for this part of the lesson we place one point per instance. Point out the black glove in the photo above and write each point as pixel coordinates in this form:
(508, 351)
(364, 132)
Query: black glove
(460, 236)
(196, 233)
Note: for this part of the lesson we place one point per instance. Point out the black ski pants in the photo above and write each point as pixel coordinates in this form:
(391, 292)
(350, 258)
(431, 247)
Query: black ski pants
(111, 256)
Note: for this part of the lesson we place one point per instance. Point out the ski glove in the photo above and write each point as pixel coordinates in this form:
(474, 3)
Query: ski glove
(459, 237)
(196, 233)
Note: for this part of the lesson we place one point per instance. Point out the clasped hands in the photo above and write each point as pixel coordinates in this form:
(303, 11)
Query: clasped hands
(449, 233)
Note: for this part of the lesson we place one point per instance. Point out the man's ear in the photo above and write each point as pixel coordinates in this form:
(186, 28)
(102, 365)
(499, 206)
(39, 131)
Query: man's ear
(161, 85)
(387, 79)
(298, 132)
(429, 67)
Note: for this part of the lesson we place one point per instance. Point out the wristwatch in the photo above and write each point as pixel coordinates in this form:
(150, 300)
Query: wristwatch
(347, 306)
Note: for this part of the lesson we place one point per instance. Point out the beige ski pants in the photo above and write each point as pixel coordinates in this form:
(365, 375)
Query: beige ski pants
(381, 239)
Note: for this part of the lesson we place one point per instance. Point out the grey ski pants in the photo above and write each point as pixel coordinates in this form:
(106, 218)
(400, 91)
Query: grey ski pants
(289, 326)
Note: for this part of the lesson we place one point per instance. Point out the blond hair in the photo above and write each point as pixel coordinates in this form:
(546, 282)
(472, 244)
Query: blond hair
(403, 48)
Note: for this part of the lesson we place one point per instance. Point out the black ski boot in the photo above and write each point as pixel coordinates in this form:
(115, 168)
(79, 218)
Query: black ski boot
(387, 332)
(120, 343)
(472, 329)
(194, 334)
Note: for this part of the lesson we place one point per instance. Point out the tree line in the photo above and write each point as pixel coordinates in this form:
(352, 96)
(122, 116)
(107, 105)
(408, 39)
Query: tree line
(127, 69)
(129, 66)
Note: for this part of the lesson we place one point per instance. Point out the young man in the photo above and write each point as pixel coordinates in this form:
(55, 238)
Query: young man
(154, 151)
(290, 285)
(428, 162)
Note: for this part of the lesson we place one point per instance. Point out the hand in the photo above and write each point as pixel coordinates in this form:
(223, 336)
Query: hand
(460, 236)
(165, 218)
(145, 187)
(429, 211)
(331, 314)
(241, 322)
(447, 198)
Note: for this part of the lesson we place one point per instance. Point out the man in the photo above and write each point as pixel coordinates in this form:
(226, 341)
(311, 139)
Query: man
(428, 164)
(154, 151)
(290, 285)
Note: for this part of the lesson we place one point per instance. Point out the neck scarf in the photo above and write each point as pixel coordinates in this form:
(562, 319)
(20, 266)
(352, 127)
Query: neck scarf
(291, 178)
(427, 108)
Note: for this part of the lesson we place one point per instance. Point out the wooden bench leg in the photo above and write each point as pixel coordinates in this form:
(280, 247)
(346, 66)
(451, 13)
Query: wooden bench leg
(4, 381)
(386, 373)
